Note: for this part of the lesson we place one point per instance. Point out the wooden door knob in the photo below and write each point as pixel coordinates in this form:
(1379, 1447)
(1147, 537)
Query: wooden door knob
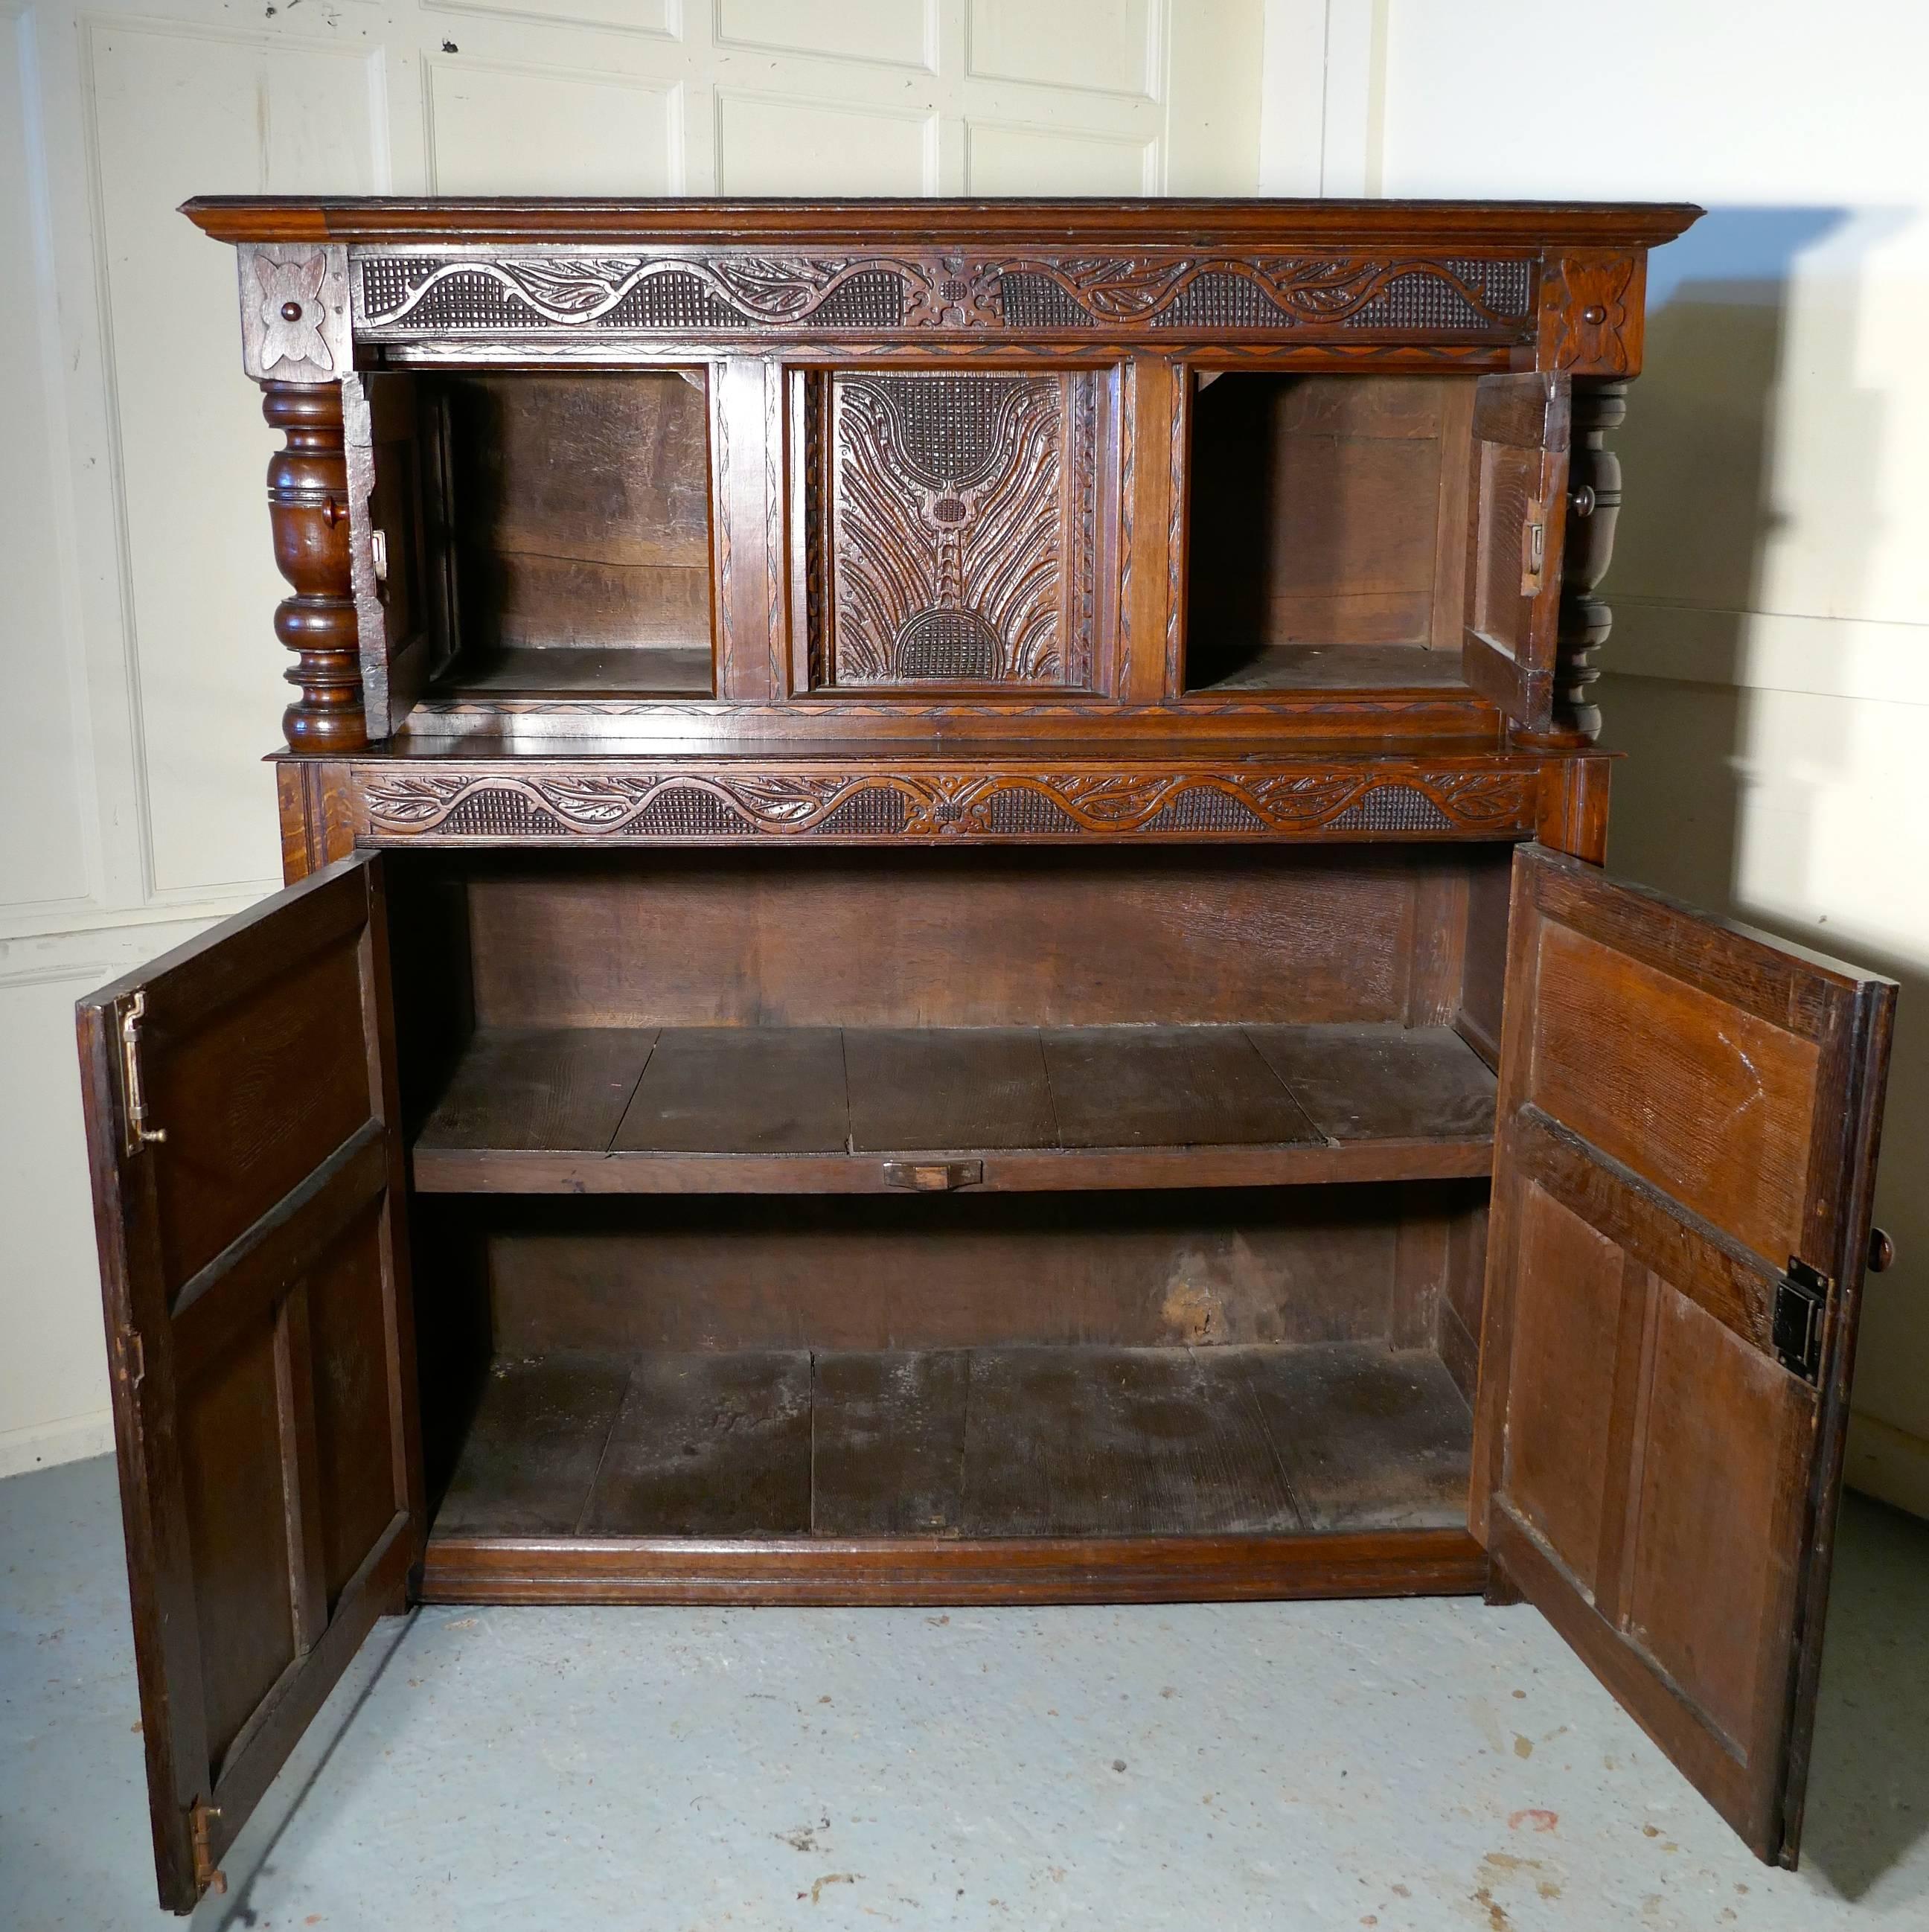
(1882, 1250)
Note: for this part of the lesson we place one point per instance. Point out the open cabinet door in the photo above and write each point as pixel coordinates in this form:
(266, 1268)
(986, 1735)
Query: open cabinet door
(394, 461)
(1520, 434)
(248, 1190)
(1688, 1115)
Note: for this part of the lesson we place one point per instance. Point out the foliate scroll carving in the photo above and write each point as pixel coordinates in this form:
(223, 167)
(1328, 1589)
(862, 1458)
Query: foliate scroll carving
(1265, 293)
(294, 308)
(415, 294)
(1590, 315)
(959, 512)
(555, 805)
(399, 295)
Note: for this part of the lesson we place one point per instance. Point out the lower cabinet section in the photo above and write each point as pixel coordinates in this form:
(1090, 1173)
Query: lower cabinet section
(866, 1397)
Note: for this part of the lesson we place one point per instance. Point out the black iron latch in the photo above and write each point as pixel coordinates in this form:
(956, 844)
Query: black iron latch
(1801, 1301)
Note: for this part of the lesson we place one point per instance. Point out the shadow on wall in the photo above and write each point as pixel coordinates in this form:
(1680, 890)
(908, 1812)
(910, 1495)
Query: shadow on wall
(1732, 785)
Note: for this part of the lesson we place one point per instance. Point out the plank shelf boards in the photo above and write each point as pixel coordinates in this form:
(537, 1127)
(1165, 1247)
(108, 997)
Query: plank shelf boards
(828, 1109)
(953, 1447)
(607, 670)
(1334, 669)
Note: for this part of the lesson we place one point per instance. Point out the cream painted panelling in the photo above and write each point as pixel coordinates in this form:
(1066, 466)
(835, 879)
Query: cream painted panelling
(1112, 46)
(895, 33)
(53, 1366)
(1008, 160)
(521, 131)
(769, 145)
(660, 19)
(142, 674)
(172, 110)
(44, 818)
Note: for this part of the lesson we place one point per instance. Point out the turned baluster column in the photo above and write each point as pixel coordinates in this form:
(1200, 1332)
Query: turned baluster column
(307, 504)
(1594, 503)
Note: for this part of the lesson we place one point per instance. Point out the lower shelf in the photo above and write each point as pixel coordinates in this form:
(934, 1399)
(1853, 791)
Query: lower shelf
(912, 1476)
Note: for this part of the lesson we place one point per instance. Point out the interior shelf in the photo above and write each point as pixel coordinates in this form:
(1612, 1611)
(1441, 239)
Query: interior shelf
(1030, 1442)
(829, 1109)
(527, 671)
(1325, 667)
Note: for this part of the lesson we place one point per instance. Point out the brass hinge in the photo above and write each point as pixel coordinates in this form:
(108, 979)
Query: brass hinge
(208, 1876)
(133, 1357)
(1801, 1301)
(133, 1093)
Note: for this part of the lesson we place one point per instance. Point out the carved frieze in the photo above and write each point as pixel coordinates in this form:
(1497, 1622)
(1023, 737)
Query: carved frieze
(554, 804)
(400, 295)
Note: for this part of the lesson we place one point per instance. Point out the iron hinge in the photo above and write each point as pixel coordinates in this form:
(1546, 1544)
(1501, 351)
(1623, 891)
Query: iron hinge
(208, 1876)
(138, 1133)
(1801, 1301)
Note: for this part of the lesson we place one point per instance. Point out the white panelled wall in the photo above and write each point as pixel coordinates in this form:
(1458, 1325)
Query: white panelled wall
(141, 677)
(1769, 668)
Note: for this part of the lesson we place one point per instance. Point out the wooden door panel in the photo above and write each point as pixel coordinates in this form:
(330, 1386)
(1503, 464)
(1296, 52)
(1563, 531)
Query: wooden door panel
(395, 466)
(240, 1106)
(1521, 432)
(1688, 1122)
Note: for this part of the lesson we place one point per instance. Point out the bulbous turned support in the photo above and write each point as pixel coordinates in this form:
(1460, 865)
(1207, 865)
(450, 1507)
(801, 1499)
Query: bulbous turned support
(307, 505)
(1594, 504)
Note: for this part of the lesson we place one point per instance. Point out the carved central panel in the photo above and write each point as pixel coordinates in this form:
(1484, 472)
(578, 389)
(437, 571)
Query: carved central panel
(957, 523)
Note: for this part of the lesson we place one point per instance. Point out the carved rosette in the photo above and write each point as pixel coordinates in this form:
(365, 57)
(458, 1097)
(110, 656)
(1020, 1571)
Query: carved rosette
(1591, 307)
(556, 805)
(294, 312)
(307, 508)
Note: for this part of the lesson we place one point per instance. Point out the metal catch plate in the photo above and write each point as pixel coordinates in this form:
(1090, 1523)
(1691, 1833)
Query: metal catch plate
(933, 1176)
(1801, 1302)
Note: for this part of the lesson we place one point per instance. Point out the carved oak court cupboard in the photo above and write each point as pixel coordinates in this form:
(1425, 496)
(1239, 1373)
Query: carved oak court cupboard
(945, 943)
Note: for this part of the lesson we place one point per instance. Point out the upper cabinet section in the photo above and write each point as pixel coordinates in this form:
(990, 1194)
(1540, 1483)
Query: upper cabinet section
(499, 280)
(1199, 470)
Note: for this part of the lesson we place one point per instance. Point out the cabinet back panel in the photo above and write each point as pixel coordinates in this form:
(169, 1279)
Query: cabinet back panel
(1167, 1267)
(855, 938)
(581, 510)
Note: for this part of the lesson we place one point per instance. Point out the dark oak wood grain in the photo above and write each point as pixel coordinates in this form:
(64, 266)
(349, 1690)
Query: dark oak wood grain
(1685, 1112)
(818, 1109)
(979, 1444)
(242, 1119)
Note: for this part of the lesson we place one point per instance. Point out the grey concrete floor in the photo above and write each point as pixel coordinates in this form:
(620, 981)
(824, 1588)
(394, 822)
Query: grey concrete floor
(1403, 1765)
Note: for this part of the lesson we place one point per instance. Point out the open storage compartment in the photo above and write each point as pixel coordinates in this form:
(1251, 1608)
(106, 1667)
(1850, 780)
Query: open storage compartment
(1172, 1363)
(1328, 523)
(1073, 1195)
(566, 520)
